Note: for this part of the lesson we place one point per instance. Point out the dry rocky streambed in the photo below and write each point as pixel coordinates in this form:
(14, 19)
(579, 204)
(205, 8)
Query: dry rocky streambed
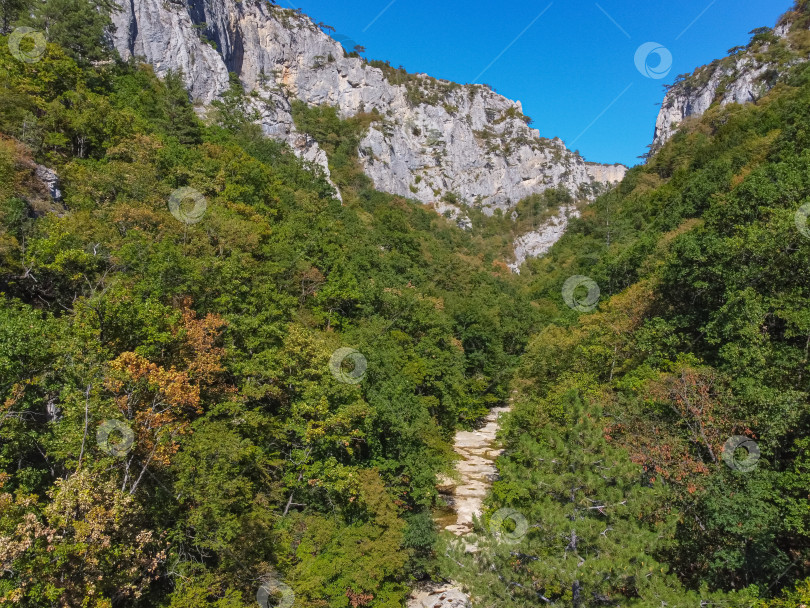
(464, 494)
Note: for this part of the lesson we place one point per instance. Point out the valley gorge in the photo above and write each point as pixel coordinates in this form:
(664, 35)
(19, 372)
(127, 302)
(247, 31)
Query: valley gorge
(444, 144)
(283, 325)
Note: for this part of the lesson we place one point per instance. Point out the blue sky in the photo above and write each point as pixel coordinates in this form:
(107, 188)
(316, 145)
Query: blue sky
(570, 63)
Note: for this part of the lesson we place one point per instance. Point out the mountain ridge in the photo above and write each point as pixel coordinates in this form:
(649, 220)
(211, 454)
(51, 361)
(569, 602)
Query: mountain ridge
(436, 141)
(746, 74)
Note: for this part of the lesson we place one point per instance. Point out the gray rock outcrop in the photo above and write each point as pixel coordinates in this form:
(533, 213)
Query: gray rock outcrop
(438, 596)
(743, 77)
(50, 180)
(746, 80)
(433, 139)
(537, 242)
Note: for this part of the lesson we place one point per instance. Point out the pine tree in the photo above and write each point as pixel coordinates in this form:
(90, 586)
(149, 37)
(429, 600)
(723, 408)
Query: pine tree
(233, 111)
(81, 27)
(592, 516)
(10, 11)
(178, 114)
(590, 536)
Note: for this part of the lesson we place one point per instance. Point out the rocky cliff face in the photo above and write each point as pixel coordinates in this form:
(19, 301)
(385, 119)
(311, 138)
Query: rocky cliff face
(435, 137)
(744, 76)
(537, 242)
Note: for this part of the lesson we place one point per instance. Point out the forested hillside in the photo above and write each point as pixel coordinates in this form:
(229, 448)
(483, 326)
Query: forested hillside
(213, 375)
(220, 385)
(657, 454)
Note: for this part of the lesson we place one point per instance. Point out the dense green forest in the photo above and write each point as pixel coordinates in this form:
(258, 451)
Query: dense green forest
(176, 429)
(216, 376)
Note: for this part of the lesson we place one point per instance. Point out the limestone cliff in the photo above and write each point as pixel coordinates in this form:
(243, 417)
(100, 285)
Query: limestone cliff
(744, 76)
(537, 242)
(434, 138)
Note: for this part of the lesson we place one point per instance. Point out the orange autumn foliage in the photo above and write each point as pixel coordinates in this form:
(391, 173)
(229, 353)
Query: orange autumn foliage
(159, 401)
(358, 599)
(683, 431)
(162, 401)
(202, 356)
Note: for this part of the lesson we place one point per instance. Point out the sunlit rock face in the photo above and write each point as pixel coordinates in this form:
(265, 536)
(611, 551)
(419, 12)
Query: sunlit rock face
(742, 77)
(434, 139)
(536, 243)
(746, 80)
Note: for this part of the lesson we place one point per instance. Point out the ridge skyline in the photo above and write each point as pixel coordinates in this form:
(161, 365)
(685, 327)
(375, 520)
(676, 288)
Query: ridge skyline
(610, 117)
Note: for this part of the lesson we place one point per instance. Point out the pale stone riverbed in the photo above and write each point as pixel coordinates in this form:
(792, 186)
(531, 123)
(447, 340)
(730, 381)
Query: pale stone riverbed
(464, 493)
